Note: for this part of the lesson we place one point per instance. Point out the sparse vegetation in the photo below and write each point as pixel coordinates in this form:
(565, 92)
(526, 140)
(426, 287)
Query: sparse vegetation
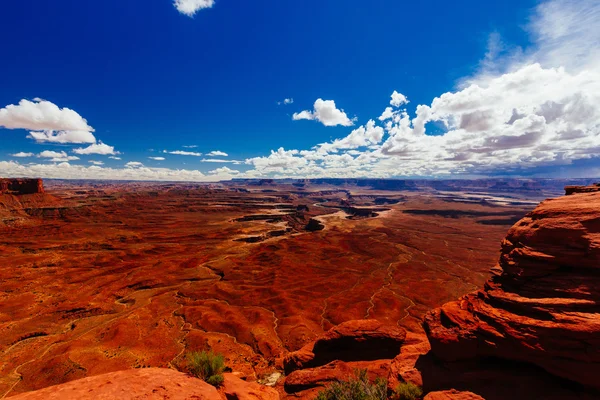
(207, 366)
(407, 391)
(356, 388)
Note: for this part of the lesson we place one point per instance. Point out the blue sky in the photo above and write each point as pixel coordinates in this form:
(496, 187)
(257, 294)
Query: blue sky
(147, 78)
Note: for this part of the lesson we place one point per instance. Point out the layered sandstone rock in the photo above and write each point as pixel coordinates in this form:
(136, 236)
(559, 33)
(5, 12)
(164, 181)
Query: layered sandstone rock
(362, 340)
(543, 307)
(350, 346)
(21, 186)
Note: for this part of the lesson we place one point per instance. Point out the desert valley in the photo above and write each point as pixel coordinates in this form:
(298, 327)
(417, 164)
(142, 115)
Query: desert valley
(300, 282)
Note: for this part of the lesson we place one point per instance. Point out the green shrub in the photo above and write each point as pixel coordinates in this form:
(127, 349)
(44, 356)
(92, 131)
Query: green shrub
(356, 388)
(407, 391)
(207, 366)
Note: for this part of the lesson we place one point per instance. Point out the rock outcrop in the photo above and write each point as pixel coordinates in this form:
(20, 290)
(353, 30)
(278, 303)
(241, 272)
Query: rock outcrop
(353, 345)
(543, 306)
(452, 395)
(235, 388)
(21, 186)
(148, 383)
(362, 340)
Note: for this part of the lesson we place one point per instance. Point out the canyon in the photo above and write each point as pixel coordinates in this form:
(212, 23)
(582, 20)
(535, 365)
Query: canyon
(299, 283)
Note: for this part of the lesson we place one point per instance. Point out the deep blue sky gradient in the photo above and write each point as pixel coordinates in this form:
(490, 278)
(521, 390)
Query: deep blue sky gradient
(147, 77)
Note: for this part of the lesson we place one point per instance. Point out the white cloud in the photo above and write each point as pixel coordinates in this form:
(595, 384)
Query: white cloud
(193, 146)
(22, 154)
(183, 153)
(325, 112)
(398, 99)
(47, 122)
(56, 156)
(68, 171)
(157, 158)
(98, 148)
(224, 171)
(217, 153)
(115, 158)
(134, 164)
(286, 101)
(63, 137)
(191, 7)
(220, 160)
(360, 137)
(96, 162)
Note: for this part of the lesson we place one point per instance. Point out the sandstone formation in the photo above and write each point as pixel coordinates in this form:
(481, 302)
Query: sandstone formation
(235, 388)
(362, 340)
(21, 186)
(452, 395)
(350, 346)
(138, 384)
(543, 306)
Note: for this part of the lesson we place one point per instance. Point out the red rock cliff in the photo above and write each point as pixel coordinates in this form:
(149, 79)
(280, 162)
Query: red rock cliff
(21, 186)
(543, 307)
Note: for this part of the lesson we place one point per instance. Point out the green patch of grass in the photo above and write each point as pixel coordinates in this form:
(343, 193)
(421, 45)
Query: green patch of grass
(356, 388)
(207, 366)
(407, 391)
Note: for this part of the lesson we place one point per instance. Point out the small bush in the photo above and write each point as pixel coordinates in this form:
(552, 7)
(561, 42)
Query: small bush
(207, 366)
(407, 391)
(357, 388)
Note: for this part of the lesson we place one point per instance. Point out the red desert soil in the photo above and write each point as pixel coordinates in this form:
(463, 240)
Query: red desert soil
(101, 278)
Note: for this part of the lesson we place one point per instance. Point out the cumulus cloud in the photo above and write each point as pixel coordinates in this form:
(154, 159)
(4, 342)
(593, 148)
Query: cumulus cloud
(224, 171)
(134, 164)
(191, 7)
(157, 158)
(183, 153)
(96, 162)
(217, 153)
(63, 137)
(326, 112)
(47, 122)
(398, 99)
(286, 101)
(98, 148)
(57, 156)
(22, 154)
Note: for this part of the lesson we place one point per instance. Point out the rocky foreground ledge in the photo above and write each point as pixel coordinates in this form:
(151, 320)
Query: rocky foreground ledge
(543, 306)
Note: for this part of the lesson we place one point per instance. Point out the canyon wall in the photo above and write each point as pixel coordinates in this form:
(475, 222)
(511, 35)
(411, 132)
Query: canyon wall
(543, 305)
(21, 186)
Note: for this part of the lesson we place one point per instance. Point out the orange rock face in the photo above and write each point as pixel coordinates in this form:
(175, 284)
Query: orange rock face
(362, 340)
(151, 384)
(21, 186)
(543, 308)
